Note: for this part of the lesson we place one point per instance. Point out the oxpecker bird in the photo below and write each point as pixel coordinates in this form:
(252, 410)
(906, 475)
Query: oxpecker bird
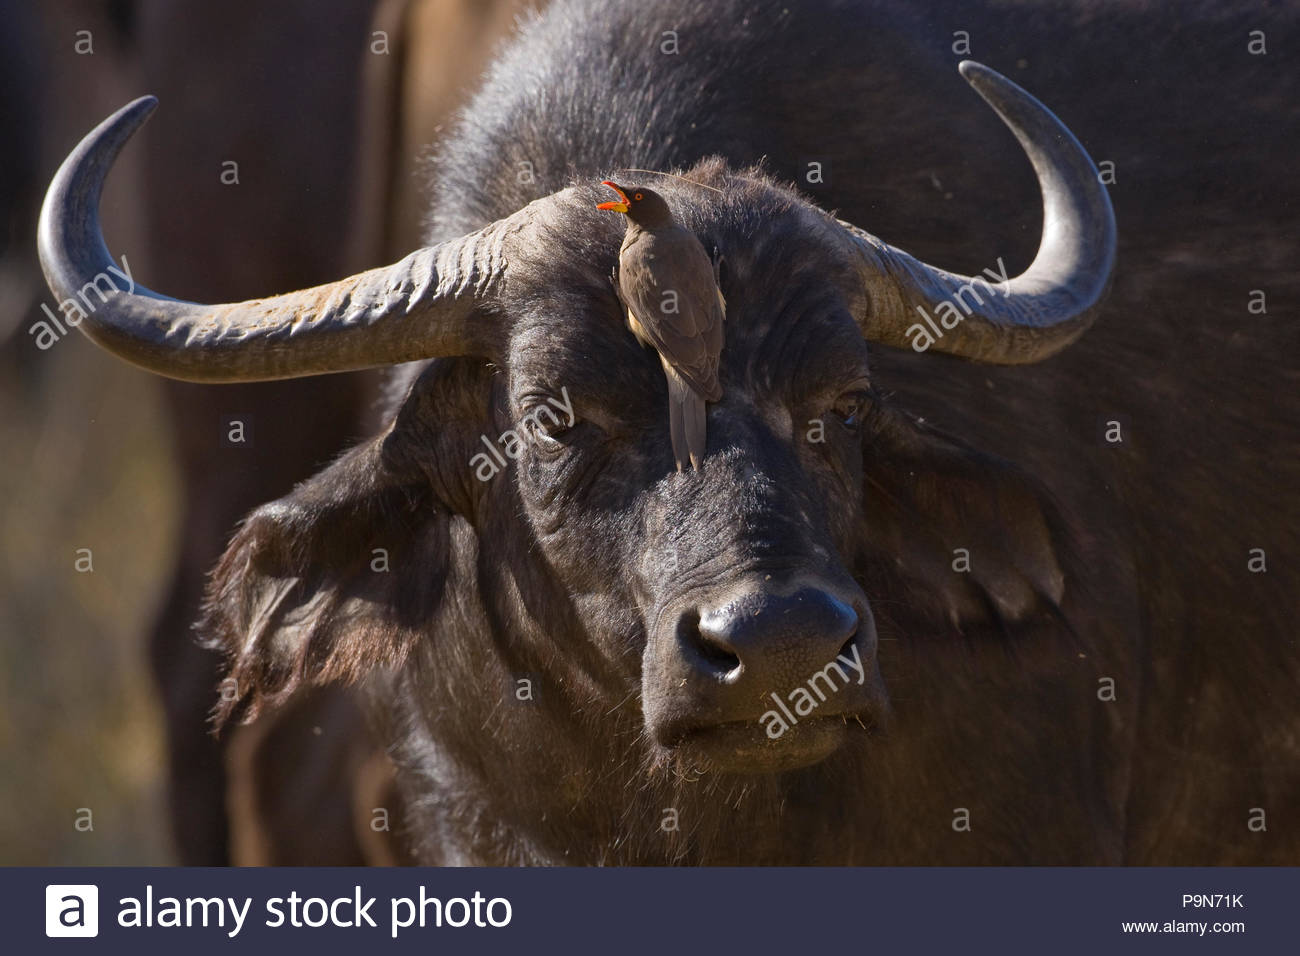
(670, 289)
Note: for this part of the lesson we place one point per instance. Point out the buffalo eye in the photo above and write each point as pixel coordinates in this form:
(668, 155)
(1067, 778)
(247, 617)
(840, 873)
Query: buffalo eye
(546, 428)
(850, 407)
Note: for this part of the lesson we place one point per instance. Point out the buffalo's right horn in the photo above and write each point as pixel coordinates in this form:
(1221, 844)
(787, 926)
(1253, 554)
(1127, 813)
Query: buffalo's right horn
(1035, 314)
(426, 305)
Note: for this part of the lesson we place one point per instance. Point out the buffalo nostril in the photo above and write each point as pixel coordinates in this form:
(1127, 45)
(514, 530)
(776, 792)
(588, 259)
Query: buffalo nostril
(771, 636)
(707, 649)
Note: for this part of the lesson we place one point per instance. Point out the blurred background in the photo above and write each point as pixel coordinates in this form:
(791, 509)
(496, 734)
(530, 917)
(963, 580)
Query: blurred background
(285, 152)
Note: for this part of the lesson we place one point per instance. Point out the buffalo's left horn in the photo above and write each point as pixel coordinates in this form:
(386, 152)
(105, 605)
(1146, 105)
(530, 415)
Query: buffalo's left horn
(1040, 311)
(425, 305)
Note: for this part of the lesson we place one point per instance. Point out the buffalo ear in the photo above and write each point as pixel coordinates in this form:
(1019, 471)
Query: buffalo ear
(337, 577)
(969, 538)
(345, 573)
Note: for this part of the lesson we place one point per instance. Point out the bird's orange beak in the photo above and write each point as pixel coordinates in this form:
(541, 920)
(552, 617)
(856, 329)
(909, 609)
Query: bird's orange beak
(614, 206)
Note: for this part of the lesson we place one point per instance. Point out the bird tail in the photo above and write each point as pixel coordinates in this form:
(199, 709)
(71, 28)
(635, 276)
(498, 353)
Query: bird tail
(687, 414)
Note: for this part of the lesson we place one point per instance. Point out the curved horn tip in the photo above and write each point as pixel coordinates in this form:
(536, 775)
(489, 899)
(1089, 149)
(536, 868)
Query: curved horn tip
(143, 104)
(150, 101)
(121, 126)
(987, 81)
(67, 231)
(132, 116)
(88, 164)
(129, 118)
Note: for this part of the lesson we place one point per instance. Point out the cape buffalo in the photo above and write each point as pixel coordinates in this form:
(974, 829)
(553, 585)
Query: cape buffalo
(852, 636)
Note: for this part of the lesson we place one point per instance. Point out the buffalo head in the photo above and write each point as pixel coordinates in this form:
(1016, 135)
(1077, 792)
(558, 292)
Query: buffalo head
(521, 514)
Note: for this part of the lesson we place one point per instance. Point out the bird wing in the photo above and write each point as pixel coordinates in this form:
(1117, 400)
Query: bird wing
(691, 337)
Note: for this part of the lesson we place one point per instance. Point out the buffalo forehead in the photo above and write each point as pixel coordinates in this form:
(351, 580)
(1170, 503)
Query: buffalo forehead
(786, 325)
(800, 353)
(778, 334)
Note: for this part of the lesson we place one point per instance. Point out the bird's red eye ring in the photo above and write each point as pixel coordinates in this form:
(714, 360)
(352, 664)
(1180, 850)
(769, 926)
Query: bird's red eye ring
(637, 197)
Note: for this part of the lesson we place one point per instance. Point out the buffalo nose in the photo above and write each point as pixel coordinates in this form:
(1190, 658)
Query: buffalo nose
(773, 639)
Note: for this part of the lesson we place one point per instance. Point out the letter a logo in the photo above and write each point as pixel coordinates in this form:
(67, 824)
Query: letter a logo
(71, 910)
